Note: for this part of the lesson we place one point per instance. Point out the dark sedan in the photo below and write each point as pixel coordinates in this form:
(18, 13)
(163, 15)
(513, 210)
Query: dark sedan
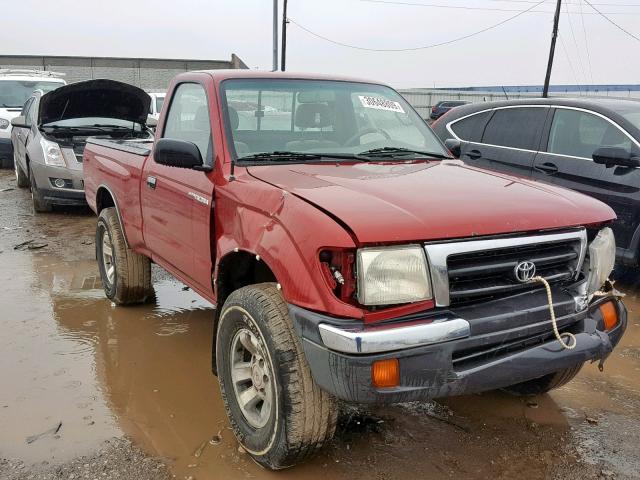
(592, 146)
(443, 107)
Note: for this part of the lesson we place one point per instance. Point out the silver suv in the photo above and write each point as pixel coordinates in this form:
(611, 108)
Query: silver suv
(16, 86)
(50, 134)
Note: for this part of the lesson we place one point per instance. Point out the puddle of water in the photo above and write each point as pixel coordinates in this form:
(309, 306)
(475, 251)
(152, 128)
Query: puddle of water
(70, 356)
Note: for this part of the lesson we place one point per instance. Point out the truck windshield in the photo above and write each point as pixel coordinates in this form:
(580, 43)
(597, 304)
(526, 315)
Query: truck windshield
(13, 93)
(321, 117)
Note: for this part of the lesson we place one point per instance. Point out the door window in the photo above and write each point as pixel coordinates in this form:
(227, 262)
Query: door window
(26, 111)
(519, 127)
(579, 134)
(470, 129)
(188, 118)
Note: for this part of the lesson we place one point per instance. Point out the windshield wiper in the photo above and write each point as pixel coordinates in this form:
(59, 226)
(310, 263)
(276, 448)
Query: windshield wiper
(393, 152)
(285, 156)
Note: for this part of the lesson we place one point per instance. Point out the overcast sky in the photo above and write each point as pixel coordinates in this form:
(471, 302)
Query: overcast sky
(511, 54)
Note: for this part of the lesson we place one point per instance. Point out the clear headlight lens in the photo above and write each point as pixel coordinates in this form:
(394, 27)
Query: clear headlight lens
(602, 257)
(391, 275)
(4, 123)
(52, 153)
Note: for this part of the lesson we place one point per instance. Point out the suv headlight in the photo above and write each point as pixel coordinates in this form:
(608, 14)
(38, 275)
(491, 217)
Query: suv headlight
(52, 153)
(391, 275)
(602, 257)
(4, 123)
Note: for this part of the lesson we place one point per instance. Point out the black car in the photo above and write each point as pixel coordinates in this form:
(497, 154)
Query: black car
(592, 146)
(443, 107)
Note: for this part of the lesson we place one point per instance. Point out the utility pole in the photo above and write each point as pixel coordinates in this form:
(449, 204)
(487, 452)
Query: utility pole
(552, 50)
(275, 35)
(283, 54)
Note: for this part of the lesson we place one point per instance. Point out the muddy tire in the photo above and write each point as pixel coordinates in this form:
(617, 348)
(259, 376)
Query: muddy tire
(544, 384)
(21, 179)
(126, 275)
(278, 413)
(40, 205)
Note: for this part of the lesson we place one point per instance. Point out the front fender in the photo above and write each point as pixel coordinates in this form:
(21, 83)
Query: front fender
(288, 234)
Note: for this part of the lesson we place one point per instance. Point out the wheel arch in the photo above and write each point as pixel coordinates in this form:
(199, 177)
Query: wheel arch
(106, 199)
(236, 269)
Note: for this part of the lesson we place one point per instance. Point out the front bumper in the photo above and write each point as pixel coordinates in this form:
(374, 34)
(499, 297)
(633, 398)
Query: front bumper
(504, 342)
(60, 196)
(6, 149)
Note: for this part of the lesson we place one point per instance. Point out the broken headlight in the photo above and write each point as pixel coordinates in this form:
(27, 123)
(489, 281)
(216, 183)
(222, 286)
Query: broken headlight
(392, 275)
(600, 261)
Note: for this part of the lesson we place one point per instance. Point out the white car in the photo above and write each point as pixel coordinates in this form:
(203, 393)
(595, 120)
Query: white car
(157, 99)
(16, 86)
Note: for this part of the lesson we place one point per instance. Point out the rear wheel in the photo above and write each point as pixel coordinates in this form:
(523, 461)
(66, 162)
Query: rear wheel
(544, 384)
(126, 275)
(21, 178)
(278, 413)
(40, 205)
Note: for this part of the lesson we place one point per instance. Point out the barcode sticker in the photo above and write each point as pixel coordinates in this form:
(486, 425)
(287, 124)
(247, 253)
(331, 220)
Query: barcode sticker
(380, 103)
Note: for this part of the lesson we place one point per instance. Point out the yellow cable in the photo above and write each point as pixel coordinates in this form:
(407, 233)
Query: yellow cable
(572, 338)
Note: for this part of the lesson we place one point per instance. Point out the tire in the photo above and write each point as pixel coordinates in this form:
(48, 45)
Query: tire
(125, 275)
(544, 384)
(21, 178)
(40, 205)
(301, 417)
(6, 162)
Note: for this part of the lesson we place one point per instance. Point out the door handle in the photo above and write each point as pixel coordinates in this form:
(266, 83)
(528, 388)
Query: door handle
(151, 181)
(547, 168)
(473, 154)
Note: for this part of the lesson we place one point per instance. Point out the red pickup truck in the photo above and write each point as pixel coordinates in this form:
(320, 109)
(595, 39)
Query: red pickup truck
(349, 256)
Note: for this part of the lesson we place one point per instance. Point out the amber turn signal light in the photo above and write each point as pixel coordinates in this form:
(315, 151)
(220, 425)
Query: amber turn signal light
(385, 373)
(609, 315)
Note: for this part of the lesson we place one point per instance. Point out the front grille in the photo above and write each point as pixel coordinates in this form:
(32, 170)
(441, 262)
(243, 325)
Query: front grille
(475, 269)
(78, 150)
(490, 273)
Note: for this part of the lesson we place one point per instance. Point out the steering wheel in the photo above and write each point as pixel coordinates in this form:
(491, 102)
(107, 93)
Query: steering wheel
(352, 140)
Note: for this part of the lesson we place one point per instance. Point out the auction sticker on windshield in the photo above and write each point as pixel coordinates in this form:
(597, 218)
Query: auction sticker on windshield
(380, 103)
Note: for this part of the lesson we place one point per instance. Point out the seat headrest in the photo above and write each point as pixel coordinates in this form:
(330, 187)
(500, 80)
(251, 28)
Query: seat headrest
(201, 119)
(234, 120)
(313, 115)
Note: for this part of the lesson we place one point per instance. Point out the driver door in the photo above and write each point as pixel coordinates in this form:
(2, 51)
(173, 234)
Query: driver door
(177, 202)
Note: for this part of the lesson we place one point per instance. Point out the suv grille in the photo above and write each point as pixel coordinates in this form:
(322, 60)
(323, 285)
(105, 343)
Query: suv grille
(481, 268)
(491, 272)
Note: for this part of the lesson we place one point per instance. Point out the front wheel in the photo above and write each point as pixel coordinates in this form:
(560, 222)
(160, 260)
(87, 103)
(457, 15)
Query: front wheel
(40, 205)
(544, 384)
(125, 274)
(278, 413)
(21, 179)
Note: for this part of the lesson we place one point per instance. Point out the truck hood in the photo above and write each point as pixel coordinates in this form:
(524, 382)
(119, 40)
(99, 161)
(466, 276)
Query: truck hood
(404, 202)
(95, 98)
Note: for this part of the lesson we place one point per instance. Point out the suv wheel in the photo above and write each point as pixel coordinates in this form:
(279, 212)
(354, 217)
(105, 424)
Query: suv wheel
(21, 178)
(40, 205)
(544, 384)
(278, 413)
(125, 275)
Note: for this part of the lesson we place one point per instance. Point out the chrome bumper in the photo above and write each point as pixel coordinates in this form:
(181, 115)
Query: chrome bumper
(386, 339)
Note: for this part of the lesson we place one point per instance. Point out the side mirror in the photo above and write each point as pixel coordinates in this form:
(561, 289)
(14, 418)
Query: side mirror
(152, 122)
(178, 153)
(615, 156)
(20, 122)
(453, 145)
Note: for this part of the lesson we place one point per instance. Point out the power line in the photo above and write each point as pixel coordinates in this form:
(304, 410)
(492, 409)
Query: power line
(636, 5)
(611, 21)
(489, 9)
(586, 41)
(440, 44)
(566, 53)
(575, 43)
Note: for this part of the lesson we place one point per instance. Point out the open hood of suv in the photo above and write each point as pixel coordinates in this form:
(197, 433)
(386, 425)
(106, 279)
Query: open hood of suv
(408, 202)
(95, 98)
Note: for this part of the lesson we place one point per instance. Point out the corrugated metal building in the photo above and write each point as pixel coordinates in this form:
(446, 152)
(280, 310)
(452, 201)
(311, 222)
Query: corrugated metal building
(151, 74)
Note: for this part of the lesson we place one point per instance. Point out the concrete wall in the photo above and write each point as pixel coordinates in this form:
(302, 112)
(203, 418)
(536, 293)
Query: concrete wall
(152, 75)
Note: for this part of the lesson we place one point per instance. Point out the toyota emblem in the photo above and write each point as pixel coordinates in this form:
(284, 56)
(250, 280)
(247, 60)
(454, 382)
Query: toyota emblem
(525, 271)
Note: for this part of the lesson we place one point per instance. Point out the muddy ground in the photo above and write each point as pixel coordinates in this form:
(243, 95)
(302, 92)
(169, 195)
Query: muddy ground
(88, 390)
